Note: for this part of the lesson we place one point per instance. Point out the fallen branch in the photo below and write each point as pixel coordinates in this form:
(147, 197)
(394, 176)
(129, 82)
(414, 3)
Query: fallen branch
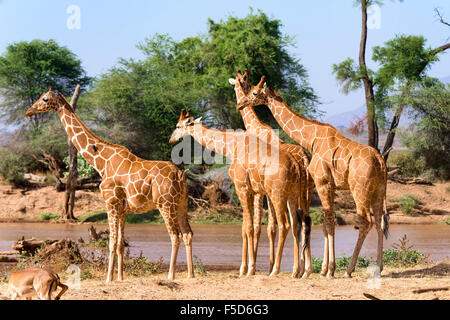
(201, 203)
(431, 290)
(9, 253)
(30, 245)
(369, 296)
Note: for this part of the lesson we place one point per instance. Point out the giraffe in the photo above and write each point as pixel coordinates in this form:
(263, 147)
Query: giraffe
(129, 184)
(275, 174)
(336, 163)
(265, 133)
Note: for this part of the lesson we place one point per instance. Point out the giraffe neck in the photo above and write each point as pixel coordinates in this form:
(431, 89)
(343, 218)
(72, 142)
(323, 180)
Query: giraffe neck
(255, 126)
(302, 130)
(86, 142)
(219, 141)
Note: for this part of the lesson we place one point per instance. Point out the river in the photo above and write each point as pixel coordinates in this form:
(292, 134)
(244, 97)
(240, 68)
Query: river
(221, 244)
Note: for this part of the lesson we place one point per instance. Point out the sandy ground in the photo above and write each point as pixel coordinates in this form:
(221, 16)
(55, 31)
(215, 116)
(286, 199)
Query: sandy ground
(393, 285)
(434, 203)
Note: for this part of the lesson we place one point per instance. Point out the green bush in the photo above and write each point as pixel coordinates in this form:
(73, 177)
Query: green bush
(49, 216)
(316, 216)
(12, 167)
(407, 203)
(85, 170)
(411, 166)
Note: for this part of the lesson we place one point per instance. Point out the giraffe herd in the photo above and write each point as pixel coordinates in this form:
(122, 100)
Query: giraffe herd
(262, 165)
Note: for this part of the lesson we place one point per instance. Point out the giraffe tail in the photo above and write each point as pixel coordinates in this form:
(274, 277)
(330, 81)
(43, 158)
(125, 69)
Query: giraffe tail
(307, 221)
(385, 220)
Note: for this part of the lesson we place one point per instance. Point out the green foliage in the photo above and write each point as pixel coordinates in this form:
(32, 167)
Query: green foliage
(445, 221)
(316, 216)
(11, 167)
(27, 69)
(137, 103)
(199, 268)
(85, 170)
(402, 255)
(49, 216)
(139, 266)
(341, 263)
(407, 203)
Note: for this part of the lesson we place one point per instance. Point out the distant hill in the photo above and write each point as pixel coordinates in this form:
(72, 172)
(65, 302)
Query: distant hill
(343, 120)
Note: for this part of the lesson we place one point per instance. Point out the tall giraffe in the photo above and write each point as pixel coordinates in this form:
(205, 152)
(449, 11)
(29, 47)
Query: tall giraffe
(265, 133)
(256, 168)
(336, 163)
(129, 184)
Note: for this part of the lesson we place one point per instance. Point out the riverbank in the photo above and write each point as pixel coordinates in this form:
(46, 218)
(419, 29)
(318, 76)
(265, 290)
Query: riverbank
(395, 283)
(407, 204)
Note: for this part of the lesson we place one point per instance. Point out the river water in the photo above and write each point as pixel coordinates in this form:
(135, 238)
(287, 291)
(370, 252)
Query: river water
(222, 244)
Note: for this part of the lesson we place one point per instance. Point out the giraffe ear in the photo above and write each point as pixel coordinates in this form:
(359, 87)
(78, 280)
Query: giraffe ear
(265, 85)
(232, 81)
(198, 120)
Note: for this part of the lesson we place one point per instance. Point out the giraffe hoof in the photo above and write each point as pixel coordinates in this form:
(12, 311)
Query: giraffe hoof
(330, 276)
(347, 275)
(306, 274)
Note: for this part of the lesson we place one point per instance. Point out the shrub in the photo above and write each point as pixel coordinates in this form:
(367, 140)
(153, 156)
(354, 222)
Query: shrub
(316, 216)
(407, 203)
(49, 216)
(12, 167)
(402, 255)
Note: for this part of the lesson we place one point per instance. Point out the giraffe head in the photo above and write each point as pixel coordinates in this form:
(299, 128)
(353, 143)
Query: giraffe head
(184, 126)
(241, 84)
(257, 95)
(50, 100)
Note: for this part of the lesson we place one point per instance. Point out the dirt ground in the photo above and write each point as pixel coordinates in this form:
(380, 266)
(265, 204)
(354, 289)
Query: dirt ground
(433, 207)
(393, 285)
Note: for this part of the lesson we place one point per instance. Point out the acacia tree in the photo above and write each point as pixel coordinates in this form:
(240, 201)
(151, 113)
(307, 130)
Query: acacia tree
(27, 69)
(137, 103)
(403, 61)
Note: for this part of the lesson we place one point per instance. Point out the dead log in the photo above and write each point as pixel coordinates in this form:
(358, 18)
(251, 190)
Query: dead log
(30, 245)
(8, 259)
(431, 290)
(8, 253)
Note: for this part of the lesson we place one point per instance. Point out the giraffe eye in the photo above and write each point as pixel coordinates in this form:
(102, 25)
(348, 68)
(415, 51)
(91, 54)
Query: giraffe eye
(255, 93)
(45, 100)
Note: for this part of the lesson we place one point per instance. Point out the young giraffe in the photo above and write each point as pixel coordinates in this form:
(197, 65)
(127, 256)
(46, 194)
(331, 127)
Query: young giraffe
(337, 163)
(265, 133)
(129, 184)
(274, 173)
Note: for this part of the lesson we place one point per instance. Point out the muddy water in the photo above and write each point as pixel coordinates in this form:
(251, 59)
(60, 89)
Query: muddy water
(221, 244)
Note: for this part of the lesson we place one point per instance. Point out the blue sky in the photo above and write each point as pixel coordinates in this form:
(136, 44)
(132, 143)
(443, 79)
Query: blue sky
(326, 31)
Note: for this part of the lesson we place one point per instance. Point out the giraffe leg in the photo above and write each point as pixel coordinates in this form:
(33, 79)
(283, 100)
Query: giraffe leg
(378, 212)
(187, 239)
(326, 195)
(283, 229)
(364, 225)
(171, 220)
(258, 210)
(271, 233)
(120, 246)
(113, 221)
(292, 207)
(246, 198)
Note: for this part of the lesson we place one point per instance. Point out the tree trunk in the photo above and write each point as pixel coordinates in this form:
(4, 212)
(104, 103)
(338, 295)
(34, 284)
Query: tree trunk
(372, 126)
(391, 134)
(69, 200)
